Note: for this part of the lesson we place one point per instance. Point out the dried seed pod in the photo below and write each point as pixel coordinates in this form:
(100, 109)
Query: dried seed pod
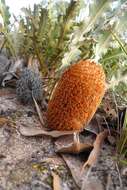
(28, 84)
(76, 96)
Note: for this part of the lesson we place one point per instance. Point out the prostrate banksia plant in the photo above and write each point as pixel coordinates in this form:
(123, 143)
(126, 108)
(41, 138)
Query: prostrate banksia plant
(76, 96)
(29, 84)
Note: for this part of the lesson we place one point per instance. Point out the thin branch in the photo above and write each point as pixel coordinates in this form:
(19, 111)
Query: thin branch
(119, 42)
(120, 180)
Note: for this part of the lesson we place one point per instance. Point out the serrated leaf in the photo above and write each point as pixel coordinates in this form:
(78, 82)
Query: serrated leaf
(98, 8)
(78, 36)
(4, 12)
(102, 45)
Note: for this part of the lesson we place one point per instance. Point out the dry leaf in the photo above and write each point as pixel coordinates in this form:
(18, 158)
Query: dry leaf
(74, 163)
(32, 131)
(94, 126)
(56, 182)
(13, 67)
(73, 148)
(66, 144)
(96, 150)
(3, 121)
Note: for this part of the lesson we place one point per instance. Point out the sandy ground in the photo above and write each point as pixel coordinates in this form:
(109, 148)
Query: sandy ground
(27, 163)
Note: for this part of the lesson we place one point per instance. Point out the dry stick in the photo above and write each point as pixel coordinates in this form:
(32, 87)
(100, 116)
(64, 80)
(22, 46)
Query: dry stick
(86, 178)
(52, 88)
(108, 182)
(76, 141)
(121, 184)
(56, 182)
(50, 78)
(118, 127)
(38, 111)
(107, 126)
(121, 120)
(119, 42)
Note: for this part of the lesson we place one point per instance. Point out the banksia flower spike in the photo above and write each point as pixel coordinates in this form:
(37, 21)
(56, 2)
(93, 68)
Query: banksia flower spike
(76, 97)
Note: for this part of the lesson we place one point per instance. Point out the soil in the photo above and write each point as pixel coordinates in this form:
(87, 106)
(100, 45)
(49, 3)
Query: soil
(27, 163)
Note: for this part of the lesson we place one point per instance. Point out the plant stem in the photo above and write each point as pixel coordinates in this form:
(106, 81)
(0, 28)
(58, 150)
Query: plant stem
(119, 42)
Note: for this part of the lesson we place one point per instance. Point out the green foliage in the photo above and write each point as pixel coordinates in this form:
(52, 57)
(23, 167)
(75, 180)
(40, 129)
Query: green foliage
(6, 38)
(43, 34)
(4, 12)
(112, 62)
(85, 30)
(122, 143)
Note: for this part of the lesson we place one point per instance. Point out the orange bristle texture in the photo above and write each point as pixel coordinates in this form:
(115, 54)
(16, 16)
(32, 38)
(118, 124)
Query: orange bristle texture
(76, 97)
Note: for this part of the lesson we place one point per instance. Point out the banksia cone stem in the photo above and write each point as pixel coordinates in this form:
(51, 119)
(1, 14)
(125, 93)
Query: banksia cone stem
(76, 96)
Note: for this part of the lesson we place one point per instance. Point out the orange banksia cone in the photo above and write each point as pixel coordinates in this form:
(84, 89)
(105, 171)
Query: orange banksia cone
(76, 97)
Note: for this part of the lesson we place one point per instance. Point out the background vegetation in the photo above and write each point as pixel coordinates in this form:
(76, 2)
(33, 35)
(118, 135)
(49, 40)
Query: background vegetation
(58, 33)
